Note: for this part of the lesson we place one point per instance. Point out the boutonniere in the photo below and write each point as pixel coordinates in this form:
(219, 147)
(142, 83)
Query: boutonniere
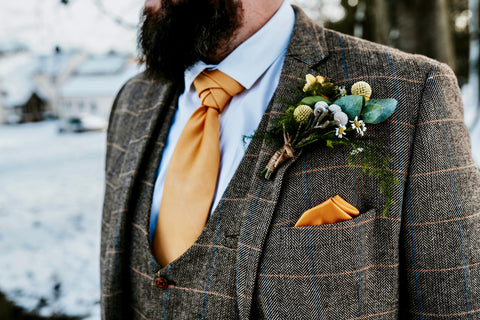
(328, 116)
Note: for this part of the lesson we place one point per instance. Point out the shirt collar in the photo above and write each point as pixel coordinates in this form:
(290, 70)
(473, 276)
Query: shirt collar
(254, 56)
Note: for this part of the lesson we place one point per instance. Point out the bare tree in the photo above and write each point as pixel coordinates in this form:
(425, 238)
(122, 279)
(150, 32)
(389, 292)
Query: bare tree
(114, 16)
(382, 22)
(126, 6)
(416, 26)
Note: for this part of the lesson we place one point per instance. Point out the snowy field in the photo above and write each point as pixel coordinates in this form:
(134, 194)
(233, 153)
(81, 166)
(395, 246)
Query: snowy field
(51, 193)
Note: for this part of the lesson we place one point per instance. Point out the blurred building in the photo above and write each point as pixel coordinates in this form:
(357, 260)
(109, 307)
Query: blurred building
(62, 85)
(20, 100)
(52, 72)
(92, 87)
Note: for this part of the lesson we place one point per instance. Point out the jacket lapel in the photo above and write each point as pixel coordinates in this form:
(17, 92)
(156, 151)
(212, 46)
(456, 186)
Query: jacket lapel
(307, 48)
(154, 112)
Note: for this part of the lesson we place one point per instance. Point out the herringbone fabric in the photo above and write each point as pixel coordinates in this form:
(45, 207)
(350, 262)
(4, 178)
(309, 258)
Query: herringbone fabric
(191, 179)
(422, 261)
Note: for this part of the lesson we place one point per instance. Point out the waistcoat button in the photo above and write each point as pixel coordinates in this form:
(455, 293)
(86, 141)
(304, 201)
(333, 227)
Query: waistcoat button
(161, 283)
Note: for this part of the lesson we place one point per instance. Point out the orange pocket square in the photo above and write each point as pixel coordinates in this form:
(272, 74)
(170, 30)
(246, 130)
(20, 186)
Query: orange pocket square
(330, 211)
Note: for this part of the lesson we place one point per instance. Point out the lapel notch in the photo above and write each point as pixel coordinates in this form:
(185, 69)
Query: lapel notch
(155, 106)
(308, 43)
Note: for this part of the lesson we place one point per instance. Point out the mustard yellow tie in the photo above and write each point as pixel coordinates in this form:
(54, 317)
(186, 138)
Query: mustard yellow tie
(191, 178)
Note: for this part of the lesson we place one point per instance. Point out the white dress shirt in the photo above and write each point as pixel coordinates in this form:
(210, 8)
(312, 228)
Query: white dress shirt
(256, 64)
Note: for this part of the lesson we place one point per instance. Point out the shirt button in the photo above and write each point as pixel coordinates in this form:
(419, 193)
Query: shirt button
(161, 283)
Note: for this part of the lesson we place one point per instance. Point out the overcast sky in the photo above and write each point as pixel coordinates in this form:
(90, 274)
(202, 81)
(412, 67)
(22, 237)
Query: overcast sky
(43, 24)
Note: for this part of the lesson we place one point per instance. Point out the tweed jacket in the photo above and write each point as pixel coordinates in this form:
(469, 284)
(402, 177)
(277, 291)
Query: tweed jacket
(421, 261)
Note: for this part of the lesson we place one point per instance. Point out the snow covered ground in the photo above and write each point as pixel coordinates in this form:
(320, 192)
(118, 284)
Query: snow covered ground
(51, 191)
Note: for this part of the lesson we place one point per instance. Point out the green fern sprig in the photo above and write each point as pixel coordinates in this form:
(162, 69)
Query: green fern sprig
(376, 162)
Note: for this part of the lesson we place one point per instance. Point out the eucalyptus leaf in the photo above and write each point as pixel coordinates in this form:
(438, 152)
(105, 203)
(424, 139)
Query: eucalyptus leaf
(352, 105)
(311, 101)
(389, 106)
(372, 112)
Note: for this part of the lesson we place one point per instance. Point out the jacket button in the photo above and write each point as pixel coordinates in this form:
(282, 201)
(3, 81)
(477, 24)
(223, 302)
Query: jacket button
(161, 283)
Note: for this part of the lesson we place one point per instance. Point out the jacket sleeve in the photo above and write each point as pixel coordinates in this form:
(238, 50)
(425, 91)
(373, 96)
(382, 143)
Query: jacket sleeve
(112, 125)
(440, 238)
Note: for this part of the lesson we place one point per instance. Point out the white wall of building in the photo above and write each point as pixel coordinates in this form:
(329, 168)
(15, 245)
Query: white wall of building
(72, 107)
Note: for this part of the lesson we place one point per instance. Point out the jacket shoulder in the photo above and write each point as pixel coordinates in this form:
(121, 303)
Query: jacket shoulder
(371, 54)
(134, 96)
(140, 91)
(138, 81)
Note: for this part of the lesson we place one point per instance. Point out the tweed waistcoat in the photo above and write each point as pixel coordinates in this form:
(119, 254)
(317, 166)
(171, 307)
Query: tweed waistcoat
(420, 261)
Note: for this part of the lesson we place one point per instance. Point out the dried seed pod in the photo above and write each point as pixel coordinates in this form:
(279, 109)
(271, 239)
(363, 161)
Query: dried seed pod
(322, 116)
(341, 117)
(320, 106)
(334, 108)
(323, 125)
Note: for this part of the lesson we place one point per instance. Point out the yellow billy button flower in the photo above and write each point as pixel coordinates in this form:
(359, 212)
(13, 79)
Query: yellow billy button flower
(302, 113)
(362, 88)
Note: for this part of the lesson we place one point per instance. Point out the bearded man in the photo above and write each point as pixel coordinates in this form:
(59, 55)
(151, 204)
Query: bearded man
(192, 230)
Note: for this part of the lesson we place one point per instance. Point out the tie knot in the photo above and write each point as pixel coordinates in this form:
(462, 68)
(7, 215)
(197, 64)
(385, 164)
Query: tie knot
(215, 89)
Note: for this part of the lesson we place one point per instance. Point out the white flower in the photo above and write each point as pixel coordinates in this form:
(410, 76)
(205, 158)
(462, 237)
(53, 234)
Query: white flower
(359, 126)
(356, 151)
(340, 131)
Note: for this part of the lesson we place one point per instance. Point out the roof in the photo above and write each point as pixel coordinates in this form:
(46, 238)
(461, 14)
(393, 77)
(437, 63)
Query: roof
(55, 64)
(16, 78)
(106, 85)
(11, 45)
(96, 77)
(102, 65)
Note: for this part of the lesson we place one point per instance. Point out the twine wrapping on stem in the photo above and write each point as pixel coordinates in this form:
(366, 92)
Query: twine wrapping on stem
(280, 156)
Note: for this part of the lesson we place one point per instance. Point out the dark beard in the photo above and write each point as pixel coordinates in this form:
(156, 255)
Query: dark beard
(180, 34)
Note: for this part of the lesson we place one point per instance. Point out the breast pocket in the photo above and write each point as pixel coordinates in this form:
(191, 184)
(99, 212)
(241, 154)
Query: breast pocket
(327, 269)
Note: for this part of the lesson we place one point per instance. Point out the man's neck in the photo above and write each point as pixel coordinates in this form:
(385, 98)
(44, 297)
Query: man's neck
(254, 17)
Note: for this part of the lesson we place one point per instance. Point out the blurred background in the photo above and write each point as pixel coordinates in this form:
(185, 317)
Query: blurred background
(61, 64)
